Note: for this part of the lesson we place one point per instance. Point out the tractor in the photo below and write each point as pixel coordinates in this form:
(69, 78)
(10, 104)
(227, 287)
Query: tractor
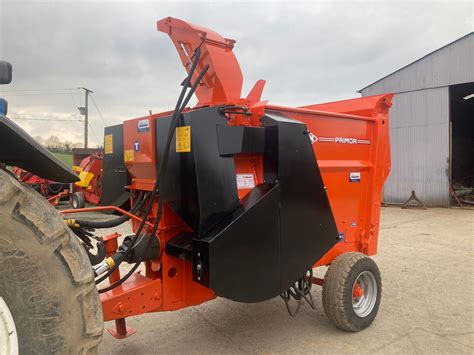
(234, 197)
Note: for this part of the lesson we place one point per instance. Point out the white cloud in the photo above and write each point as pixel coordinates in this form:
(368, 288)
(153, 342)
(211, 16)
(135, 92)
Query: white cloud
(307, 51)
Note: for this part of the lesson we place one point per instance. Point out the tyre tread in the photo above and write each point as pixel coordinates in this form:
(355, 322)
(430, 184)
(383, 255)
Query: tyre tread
(33, 211)
(337, 283)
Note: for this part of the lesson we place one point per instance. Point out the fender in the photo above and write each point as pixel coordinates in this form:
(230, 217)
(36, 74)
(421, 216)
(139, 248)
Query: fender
(18, 148)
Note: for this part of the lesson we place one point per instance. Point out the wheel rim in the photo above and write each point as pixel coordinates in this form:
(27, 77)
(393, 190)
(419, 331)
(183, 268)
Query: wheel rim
(364, 294)
(8, 335)
(75, 202)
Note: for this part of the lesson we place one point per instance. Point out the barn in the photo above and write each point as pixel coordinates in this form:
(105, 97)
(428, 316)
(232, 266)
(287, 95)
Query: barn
(432, 126)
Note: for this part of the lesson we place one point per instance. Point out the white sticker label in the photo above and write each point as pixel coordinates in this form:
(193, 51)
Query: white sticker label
(143, 125)
(245, 181)
(354, 177)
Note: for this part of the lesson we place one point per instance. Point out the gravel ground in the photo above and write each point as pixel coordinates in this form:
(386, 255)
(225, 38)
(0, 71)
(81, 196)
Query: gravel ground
(427, 264)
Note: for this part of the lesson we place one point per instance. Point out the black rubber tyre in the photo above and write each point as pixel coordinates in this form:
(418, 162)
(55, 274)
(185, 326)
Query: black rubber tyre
(46, 278)
(338, 291)
(55, 188)
(78, 200)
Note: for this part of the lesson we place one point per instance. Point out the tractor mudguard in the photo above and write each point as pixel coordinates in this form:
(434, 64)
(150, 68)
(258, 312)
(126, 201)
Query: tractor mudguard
(18, 148)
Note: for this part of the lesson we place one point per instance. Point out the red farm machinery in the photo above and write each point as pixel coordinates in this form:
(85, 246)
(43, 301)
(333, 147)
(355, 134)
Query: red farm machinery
(234, 197)
(88, 164)
(100, 182)
(50, 190)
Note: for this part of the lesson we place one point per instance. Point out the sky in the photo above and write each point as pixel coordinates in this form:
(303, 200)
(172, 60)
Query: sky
(308, 52)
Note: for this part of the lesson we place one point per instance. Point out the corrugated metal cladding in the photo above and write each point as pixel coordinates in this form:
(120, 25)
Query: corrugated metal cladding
(450, 65)
(419, 141)
(419, 121)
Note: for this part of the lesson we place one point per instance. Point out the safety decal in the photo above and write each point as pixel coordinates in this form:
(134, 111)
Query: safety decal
(143, 125)
(245, 181)
(136, 146)
(109, 144)
(183, 139)
(354, 177)
(128, 155)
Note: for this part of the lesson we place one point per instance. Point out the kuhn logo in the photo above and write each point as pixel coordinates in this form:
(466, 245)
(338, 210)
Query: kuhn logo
(312, 138)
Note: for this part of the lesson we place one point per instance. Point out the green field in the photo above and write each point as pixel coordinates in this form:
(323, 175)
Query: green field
(66, 158)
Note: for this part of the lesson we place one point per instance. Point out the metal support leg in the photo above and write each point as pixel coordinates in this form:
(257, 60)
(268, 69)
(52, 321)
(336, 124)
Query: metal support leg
(121, 331)
(413, 197)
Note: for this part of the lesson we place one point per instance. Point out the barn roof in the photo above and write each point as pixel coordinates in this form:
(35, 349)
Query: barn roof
(469, 61)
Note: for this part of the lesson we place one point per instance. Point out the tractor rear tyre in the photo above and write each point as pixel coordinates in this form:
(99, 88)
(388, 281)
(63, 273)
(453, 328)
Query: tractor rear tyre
(352, 290)
(78, 200)
(48, 299)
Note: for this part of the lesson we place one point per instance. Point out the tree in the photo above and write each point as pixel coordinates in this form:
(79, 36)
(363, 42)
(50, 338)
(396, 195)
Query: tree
(68, 146)
(52, 142)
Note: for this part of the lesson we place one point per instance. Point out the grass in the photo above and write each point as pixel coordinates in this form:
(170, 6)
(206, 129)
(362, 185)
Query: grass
(66, 158)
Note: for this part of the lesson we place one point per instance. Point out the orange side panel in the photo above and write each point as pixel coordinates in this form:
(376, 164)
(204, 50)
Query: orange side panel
(362, 106)
(353, 154)
(179, 290)
(139, 150)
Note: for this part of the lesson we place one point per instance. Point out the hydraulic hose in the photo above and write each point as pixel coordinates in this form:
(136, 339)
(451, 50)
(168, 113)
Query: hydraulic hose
(164, 162)
(176, 113)
(180, 105)
(113, 222)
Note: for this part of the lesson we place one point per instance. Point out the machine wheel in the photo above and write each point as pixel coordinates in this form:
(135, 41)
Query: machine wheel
(48, 299)
(78, 200)
(55, 188)
(352, 290)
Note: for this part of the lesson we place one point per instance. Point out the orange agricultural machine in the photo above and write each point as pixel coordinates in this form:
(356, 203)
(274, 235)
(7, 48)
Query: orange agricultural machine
(241, 199)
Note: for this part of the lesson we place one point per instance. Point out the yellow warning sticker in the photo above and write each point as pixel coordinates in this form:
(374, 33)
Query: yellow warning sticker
(183, 139)
(109, 144)
(128, 155)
